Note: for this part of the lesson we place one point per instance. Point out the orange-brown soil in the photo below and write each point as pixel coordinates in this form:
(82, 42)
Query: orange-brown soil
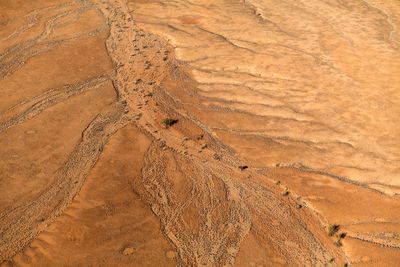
(284, 124)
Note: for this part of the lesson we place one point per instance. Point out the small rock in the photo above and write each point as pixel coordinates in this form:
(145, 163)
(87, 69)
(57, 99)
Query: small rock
(128, 251)
(170, 254)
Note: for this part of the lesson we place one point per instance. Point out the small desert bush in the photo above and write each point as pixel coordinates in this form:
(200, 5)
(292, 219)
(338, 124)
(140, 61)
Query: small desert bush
(243, 167)
(168, 122)
(338, 243)
(333, 229)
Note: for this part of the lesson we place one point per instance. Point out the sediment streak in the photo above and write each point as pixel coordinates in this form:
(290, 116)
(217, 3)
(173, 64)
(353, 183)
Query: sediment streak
(225, 207)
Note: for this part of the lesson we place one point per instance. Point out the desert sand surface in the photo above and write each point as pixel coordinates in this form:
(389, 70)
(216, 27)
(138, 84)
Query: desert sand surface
(199, 133)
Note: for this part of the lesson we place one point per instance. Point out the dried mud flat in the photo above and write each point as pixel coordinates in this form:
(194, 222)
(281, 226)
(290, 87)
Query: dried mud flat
(282, 149)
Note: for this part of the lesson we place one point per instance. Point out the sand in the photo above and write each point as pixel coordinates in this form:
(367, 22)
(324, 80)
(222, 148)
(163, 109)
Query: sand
(283, 122)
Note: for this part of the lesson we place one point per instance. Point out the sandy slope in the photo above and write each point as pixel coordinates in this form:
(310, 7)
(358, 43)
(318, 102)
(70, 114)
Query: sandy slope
(304, 93)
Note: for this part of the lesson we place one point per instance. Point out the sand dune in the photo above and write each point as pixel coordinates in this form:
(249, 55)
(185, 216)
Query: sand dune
(199, 133)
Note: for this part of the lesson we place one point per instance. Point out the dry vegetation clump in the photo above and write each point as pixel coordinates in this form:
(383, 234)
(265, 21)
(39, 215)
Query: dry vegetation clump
(242, 168)
(341, 236)
(333, 229)
(168, 122)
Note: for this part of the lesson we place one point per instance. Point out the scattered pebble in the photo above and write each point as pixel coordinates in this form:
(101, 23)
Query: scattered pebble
(30, 132)
(217, 157)
(170, 254)
(365, 259)
(128, 251)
